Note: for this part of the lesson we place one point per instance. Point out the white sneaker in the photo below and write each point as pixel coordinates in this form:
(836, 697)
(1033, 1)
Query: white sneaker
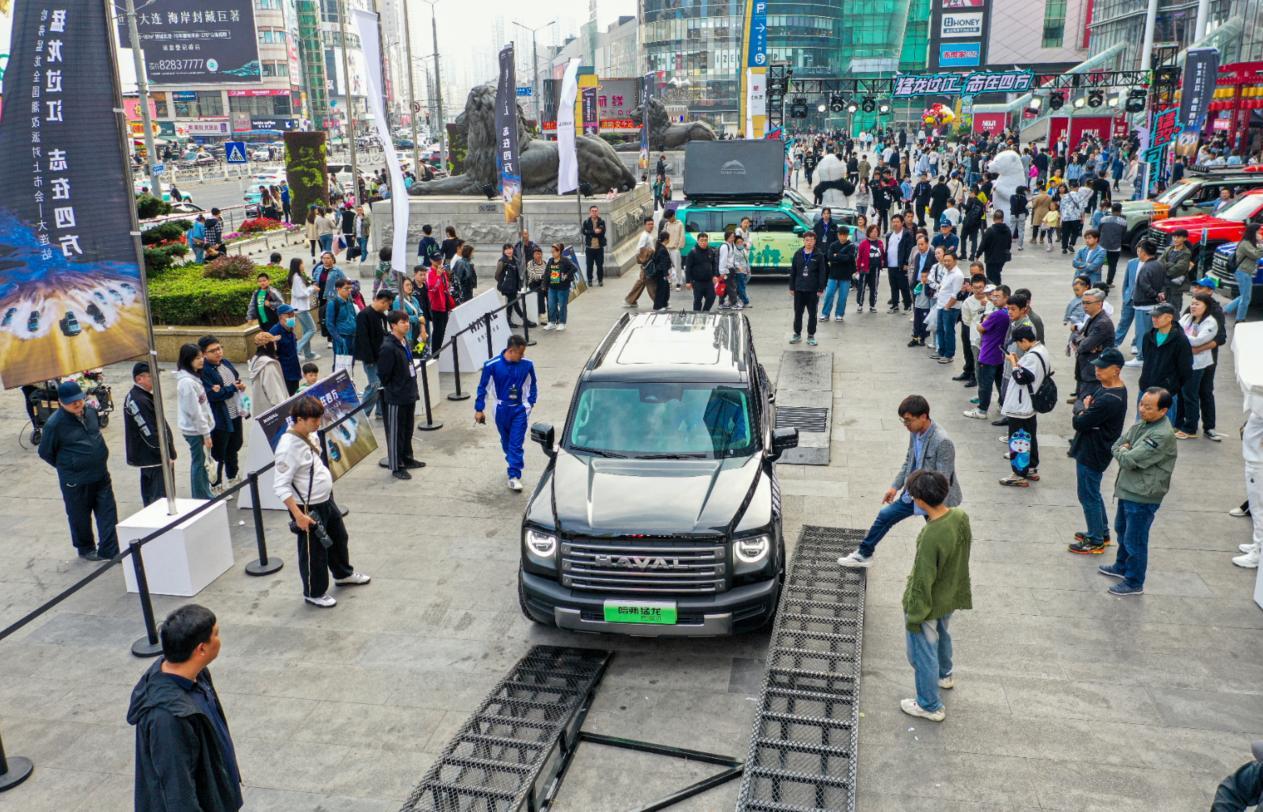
(561, 328)
(354, 579)
(515, 484)
(948, 682)
(910, 707)
(1133, 363)
(1238, 513)
(856, 561)
(976, 414)
(324, 601)
(1249, 561)
(548, 327)
(1246, 548)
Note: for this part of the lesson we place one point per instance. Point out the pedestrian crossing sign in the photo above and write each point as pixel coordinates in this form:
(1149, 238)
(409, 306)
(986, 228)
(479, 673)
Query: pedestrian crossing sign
(235, 152)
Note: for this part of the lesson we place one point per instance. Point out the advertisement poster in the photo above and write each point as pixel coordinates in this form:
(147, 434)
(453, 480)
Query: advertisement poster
(646, 90)
(346, 444)
(591, 120)
(1163, 131)
(954, 26)
(197, 43)
(506, 129)
(960, 55)
(754, 67)
(69, 284)
(1201, 66)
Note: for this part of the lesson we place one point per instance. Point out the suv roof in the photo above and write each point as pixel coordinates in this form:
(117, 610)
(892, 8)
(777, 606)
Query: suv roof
(677, 347)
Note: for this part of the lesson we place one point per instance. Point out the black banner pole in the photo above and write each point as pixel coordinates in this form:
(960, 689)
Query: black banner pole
(264, 565)
(457, 395)
(13, 769)
(429, 424)
(147, 646)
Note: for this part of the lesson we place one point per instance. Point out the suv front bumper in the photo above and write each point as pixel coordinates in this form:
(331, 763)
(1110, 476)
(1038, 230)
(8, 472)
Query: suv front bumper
(740, 609)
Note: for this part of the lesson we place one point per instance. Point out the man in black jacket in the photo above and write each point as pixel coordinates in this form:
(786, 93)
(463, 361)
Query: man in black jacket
(594, 245)
(140, 435)
(72, 443)
(921, 194)
(1089, 341)
(1147, 292)
(185, 758)
(899, 244)
(1096, 426)
(826, 229)
(1168, 356)
(807, 280)
(370, 329)
(701, 267)
(940, 193)
(398, 377)
(995, 248)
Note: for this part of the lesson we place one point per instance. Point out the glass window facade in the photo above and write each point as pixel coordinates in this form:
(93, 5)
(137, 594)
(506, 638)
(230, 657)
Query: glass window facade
(1054, 23)
(1123, 21)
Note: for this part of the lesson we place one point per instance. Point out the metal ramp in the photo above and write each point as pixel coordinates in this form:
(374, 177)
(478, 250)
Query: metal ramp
(506, 755)
(804, 400)
(802, 755)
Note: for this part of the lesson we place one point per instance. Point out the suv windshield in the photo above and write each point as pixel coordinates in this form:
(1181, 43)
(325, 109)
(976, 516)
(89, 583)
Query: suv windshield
(1172, 196)
(1242, 210)
(662, 420)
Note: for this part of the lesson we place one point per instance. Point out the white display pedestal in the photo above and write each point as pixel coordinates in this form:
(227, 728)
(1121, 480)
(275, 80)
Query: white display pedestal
(1258, 587)
(258, 454)
(185, 559)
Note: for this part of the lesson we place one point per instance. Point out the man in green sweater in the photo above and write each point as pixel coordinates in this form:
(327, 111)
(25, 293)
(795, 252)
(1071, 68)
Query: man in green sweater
(1146, 457)
(937, 586)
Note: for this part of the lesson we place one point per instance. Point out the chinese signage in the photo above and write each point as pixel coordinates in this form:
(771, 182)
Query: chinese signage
(1201, 66)
(1162, 132)
(69, 283)
(616, 100)
(279, 124)
(344, 444)
(646, 90)
(591, 121)
(212, 41)
(954, 25)
(959, 55)
(506, 137)
(754, 76)
(963, 84)
(206, 127)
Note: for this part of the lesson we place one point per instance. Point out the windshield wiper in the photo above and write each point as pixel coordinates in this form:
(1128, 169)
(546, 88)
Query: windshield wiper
(692, 456)
(599, 453)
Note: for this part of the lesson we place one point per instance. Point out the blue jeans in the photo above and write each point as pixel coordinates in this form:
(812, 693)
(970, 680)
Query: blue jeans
(370, 391)
(1245, 289)
(559, 300)
(326, 242)
(342, 344)
(198, 478)
(1124, 324)
(930, 655)
(887, 517)
(1131, 530)
(946, 337)
(363, 243)
(1089, 481)
(842, 289)
(1144, 323)
(742, 279)
(309, 332)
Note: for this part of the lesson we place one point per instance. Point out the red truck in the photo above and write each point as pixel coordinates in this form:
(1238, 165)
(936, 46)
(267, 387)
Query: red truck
(1217, 229)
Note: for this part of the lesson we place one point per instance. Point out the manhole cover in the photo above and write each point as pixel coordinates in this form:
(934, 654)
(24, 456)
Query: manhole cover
(803, 418)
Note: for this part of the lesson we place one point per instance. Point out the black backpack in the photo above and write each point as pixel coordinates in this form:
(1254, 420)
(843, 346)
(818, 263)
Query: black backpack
(1044, 398)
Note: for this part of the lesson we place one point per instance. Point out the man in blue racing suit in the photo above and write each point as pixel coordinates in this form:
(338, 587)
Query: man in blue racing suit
(510, 372)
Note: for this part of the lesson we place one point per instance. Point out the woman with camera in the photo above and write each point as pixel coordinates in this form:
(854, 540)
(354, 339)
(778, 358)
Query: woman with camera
(304, 484)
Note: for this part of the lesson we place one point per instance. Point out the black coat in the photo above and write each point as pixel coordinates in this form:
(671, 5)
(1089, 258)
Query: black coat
(589, 231)
(997, 244)
(1096, 337)
(701, 266)
(660, 265)
(179, 763)
(906, 243)
(825, 232)
(1098, 426)
(75, 447)
(370, 329)
(808, 276)
(219, 400)
(1168, 366)
(394, 370)
(841, 257)
(939, 195)
(1151, 279)
(508, 276)
(140, 430)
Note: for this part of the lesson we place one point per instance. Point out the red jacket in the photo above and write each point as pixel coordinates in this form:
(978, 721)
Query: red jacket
(861, 260)
(439, 287)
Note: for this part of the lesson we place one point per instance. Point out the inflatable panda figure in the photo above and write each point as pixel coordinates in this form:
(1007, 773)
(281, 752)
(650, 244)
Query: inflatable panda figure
(832, 186)
(1012, 174)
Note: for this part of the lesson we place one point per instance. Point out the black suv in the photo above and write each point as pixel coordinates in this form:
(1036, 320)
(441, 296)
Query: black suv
(659, 512)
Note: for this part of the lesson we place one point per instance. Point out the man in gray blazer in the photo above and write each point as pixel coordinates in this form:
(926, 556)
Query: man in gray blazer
(929, 448)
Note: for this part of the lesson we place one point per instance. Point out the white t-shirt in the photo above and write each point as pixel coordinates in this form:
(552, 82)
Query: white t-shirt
(949, 287)
(297, 463)
(892, 248)
(300, 295)
(646, 240)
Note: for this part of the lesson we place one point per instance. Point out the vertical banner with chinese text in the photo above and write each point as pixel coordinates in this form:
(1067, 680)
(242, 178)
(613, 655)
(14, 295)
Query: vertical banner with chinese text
(591, 113)
(506, 138)
(646, 91)
(1201, 67)
(567, 159)
(70, 295)
(754, 70)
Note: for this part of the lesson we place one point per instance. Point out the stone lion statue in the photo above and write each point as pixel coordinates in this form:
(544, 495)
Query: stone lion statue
(663, 134)
(1012, 174)
(599, 166)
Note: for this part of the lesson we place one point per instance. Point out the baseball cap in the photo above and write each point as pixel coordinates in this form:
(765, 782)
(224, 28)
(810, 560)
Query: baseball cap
(139, 368)
(69, 392)
(286, 309)
(1164, 307)
(1109, 358)
(1207, 282)
(989, 289)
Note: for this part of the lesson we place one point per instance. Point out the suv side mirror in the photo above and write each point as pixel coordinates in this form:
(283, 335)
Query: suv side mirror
(546, 436)
(800, 230)
(783, 439)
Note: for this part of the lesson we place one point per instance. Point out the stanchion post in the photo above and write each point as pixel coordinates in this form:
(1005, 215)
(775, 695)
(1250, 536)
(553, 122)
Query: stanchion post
(491, 353)
(526, 322)
(457, 395)
(147, 646)
(264, 565)
(13, 769)
(429, 424)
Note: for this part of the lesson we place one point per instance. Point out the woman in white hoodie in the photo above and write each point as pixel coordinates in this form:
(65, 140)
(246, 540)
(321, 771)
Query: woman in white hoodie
(267, 382)
(195, 419)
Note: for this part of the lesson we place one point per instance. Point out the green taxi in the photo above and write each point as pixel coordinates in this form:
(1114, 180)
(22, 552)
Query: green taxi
(775, 232)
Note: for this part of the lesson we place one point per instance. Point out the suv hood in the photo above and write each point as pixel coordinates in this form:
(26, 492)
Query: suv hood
(1193, 223)
(605, 497)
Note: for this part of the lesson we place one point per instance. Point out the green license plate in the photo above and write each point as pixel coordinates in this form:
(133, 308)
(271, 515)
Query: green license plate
(631, 612)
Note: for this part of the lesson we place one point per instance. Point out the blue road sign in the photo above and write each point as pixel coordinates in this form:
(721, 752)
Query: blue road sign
(158, 169)
(236, 152)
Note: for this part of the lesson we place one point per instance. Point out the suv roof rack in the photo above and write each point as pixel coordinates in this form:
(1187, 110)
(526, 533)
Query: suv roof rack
(1222, 170)
(734, 200)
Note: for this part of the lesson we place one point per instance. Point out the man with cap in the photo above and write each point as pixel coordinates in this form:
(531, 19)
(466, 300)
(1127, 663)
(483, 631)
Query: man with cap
(1244, 788)
(1168, 356)
(72, 443)
(140, 435)
(1096, 426)
(945, 238)
(287, 347)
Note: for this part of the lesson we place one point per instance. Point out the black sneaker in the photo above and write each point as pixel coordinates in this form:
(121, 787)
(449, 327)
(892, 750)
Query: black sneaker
(1083, 537)
(964, 376)
(90, 555)
(970, 383)
(914, 343)
(1087, 547)
(413, 465)
(1003, 421)
(401, 474)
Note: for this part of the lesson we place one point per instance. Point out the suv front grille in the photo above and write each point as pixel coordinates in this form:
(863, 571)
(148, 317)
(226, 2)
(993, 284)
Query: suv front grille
(644, 566)
(1221, 267)
(1159, 238)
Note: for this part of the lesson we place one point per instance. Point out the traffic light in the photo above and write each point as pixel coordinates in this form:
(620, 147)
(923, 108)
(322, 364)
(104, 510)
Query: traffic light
(1136, 98)
(1056, 100)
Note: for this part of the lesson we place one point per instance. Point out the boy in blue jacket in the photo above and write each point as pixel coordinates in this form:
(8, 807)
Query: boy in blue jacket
(509, 370)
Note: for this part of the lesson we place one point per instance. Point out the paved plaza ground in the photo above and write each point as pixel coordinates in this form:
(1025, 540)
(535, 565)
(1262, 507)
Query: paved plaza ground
(1066, 698)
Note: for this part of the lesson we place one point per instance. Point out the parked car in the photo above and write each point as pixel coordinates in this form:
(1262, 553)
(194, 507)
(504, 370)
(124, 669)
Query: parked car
(1224, 272)
(1196, 193)
(1207, 232)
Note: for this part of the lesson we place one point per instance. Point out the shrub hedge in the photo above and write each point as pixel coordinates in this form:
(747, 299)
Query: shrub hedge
(185, 294)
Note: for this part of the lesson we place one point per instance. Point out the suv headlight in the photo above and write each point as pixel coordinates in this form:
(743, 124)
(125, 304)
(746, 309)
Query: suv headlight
(540, 546)
(751, 553)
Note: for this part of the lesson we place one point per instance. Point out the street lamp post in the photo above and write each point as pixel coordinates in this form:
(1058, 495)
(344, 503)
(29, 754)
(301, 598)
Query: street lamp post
(438, 84)
(142, 93)
(350, 109)
(535, 88)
